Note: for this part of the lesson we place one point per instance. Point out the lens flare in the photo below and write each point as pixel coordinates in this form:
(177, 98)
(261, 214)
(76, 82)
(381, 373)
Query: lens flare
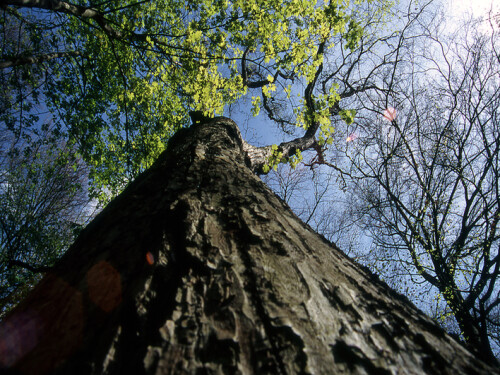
(351, 138)
(105, 286)
(150, 258)
(18, 336)
(37, 339)
(390, 114)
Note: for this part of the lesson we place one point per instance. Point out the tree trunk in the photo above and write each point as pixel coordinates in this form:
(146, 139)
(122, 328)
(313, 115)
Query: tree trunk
(475, 334)
(198, 268)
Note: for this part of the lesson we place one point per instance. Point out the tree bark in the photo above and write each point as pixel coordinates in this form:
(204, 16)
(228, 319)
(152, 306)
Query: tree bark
(197, 267)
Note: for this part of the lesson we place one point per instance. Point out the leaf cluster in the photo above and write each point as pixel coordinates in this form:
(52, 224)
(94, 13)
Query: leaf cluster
(116, 79)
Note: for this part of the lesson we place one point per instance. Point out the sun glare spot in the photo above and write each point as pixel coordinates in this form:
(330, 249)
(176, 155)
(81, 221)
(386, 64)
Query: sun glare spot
(150, 258)
(18, 336)
(351, 138)
(390, 114)
(105, 287)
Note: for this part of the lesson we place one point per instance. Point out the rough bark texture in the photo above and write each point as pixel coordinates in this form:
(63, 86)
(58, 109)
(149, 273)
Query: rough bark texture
(198, 268)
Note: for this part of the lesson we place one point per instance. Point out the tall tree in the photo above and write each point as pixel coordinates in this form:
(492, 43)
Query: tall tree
(198, 267)
(115, 80)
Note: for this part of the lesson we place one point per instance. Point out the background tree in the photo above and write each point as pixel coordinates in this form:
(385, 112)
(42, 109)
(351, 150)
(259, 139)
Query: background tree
(424, 173)
(43, 206)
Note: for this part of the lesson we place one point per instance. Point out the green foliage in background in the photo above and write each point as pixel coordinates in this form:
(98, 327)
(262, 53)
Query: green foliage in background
(43, 206)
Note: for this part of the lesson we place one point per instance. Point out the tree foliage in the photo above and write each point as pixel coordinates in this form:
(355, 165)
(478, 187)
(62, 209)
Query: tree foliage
(43, 206)
(117, 78)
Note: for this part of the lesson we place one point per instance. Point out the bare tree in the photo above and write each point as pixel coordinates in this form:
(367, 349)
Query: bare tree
(424, 172)
(313, 194)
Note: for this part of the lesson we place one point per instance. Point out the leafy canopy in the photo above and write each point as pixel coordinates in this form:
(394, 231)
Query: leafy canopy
(118, 77)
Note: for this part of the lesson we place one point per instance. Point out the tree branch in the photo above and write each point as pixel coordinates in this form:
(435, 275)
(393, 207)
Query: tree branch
(35, 59)
(86, 13)
(29, 267)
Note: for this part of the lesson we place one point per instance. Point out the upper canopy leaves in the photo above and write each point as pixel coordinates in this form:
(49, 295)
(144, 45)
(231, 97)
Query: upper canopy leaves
(118, 77)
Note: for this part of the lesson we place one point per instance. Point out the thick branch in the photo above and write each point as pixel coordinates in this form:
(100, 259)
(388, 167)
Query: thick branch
(308, 95)
(88, 14)
(71, 9)
(244, 74)
(28, 60)
(257, 157)
(29, 267)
